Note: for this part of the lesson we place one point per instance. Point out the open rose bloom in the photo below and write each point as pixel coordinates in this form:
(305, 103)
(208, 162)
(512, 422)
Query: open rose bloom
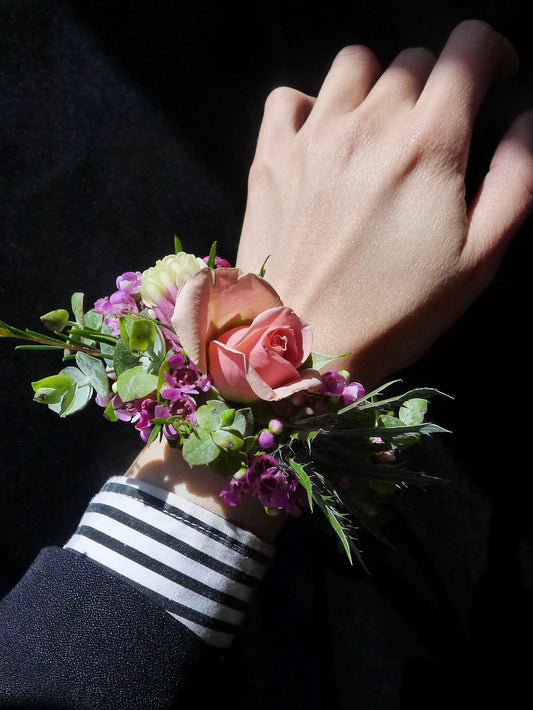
(236, 329)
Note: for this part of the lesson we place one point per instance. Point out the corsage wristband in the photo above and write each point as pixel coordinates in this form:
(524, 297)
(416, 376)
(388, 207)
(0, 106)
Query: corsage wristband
(208, 357)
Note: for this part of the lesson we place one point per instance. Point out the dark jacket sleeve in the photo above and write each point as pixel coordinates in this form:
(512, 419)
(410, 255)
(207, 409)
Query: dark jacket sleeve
(74, 635)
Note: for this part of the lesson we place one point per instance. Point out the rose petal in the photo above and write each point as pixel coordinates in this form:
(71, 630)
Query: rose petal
(233, 376)
(216, 300)
(237, 380)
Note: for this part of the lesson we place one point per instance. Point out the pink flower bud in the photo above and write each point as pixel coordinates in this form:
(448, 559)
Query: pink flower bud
(266, 439)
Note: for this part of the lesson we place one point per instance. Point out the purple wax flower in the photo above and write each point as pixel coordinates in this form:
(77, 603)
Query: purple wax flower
(220, 263)
(130, 282)
(333, 383)
(184, 377)
(118, 304)
(352, 392)
(233, 492)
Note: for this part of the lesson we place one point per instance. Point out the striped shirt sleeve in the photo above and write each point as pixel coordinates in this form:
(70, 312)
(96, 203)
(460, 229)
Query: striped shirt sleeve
(195, 564)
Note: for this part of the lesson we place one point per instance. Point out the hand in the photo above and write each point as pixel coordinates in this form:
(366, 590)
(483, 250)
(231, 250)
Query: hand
(358, 198)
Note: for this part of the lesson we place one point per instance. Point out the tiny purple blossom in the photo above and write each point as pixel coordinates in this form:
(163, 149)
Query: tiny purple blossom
(233, 492)
(220, 263)
(103, 401)
(333, 383)
(118, 304)
(130, 282)
(352, 392)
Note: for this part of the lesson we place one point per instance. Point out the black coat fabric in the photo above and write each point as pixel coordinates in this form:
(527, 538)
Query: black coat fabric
(76, 636)
(124, 123)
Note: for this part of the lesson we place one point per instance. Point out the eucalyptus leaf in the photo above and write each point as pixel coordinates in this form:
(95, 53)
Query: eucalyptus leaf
(95, 370)
(78, 395)
(243, 421)
(93, 320)
(227, 440)
(124, 359)
(76, 302)
(209, 415)
(135, 383)
(199, 448)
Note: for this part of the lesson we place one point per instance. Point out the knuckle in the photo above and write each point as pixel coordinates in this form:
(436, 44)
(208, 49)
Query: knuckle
(356, 54)
(416, 55)
(281, 96)
(474, 28)
(261, 173)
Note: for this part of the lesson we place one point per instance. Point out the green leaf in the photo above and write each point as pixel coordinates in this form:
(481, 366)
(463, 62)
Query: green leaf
(413, 411)
(156, 430)
(142, 335)
(7, 331)
(226, 417)
(317, 361)
(93, 320)
(52, 389)
(109, 413)
(227, 440)
(304, 480)
(77, 395)
(212, 255)
(177, 245)
(263, 267)
(243, 421)
(210, 415)
(339, 529)
(76, 302)
(135, 383)
(226, 463)
(94, 369)
(199, 448)
(123, 359)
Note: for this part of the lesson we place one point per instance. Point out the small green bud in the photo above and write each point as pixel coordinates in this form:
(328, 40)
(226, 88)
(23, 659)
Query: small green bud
(48, 395)
(227, 416)
(272, 512)
(275, 426)
(55, 320)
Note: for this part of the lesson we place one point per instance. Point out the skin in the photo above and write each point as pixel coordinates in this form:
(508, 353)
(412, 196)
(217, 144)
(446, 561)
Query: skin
(359, 193)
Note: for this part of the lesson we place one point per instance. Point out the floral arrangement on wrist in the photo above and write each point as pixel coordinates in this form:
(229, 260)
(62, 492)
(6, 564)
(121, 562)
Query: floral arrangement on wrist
(208, 357)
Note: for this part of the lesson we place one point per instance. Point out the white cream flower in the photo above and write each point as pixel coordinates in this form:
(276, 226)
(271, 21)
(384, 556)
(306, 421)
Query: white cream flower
(161, 283)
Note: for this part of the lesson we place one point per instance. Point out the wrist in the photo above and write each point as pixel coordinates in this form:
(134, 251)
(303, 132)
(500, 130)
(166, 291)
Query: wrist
(164, 466)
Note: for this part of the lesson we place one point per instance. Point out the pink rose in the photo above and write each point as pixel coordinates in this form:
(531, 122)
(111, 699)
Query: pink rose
(234, 326)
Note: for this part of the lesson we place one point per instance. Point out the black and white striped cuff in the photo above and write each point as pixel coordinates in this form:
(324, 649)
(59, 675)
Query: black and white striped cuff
(195, 564)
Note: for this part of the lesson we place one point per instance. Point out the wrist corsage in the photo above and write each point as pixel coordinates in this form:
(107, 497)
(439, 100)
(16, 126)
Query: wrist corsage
(208, 357)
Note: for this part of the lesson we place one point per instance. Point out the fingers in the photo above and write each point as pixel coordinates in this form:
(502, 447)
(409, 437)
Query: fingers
(506, 196)
(404, 79)
(474, 56)
(285, 112)
(350, 78)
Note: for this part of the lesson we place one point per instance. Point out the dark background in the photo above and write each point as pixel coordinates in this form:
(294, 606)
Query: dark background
(124, 123)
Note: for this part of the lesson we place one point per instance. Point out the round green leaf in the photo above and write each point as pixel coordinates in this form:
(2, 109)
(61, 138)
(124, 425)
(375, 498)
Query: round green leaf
(135, 383)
